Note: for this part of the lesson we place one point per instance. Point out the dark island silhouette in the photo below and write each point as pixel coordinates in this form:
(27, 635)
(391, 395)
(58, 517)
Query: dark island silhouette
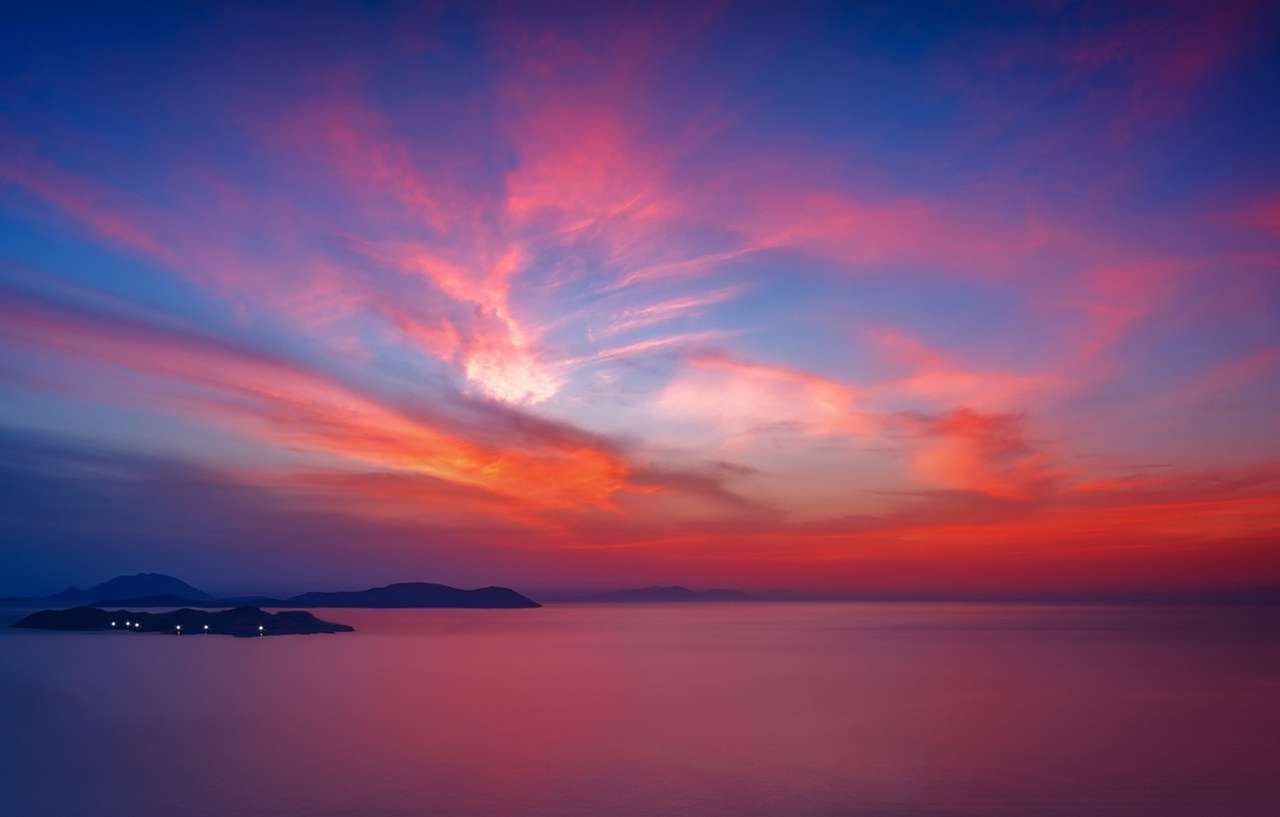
(158, 590)
(417, 594)
(117, 590)
(665, 594)
(242, 622)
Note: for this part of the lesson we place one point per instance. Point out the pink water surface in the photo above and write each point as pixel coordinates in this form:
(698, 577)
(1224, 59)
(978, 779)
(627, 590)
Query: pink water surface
(716, 709)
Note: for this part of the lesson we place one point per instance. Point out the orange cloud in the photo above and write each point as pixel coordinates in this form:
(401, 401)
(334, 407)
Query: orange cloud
(291, 406)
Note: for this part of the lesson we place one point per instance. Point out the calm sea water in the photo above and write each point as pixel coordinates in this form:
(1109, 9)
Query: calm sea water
(734, 709)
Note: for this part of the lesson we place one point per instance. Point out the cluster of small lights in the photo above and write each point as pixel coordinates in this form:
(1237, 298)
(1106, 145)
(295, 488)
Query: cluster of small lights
(134, 625)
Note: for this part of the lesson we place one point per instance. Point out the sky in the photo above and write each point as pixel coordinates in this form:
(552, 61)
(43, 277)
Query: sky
(863, 299)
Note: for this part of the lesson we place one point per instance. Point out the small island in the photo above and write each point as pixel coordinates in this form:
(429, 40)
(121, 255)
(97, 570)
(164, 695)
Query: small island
(241, 622)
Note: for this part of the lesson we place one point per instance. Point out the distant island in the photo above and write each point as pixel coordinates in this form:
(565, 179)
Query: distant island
(158, 590)
(665, 594)
(116, 590)
(242, 622)
(416, 594)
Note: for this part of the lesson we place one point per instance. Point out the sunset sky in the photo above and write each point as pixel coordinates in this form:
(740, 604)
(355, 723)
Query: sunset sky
(846, 302)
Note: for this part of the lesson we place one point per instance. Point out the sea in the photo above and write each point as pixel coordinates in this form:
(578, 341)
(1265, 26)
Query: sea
(610, 710)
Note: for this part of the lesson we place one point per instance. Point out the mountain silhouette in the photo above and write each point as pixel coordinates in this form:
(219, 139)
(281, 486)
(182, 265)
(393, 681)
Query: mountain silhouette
(416, 594)
(126, 587)
(156, 590)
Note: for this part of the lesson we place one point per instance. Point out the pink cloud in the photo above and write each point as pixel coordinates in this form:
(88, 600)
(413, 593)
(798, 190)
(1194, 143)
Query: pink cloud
(987, 453)
(684, 306)
(97, 208)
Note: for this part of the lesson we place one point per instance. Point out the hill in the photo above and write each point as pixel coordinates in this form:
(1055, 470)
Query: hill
(416, 594)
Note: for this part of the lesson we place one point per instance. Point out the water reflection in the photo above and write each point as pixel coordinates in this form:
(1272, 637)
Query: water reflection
(741, 709)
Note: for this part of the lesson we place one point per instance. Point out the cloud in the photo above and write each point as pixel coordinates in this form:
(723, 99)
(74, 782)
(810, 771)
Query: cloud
(735, 400)
(990, 454)
(98, 208)
(943, 380)
(495, 291)
(78, 511)
(288, 404)
(681, 307)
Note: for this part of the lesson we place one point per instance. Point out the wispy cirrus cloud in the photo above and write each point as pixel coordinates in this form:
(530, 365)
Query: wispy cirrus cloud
(286, 404)
(515, 289)
(687, 306)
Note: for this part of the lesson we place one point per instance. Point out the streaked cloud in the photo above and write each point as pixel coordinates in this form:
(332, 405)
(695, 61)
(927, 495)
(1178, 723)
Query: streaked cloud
(630, 294)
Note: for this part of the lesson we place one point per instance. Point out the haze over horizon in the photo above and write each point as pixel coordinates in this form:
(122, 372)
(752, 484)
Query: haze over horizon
(859, 301)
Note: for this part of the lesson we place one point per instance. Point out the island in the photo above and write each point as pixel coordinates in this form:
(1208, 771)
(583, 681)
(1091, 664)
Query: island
(416, 594)
(116, 591)
(241, 622)
(158, 590)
